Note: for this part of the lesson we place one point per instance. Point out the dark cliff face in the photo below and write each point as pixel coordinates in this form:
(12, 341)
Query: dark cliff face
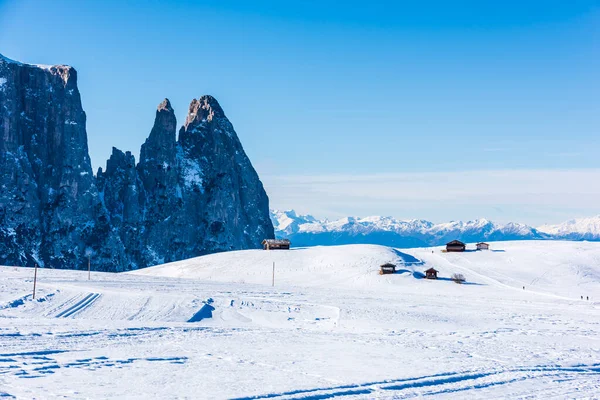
(49, 204)
(199, 195)
(184, 198)
(159, 171)
(221, 188)
(123, 195)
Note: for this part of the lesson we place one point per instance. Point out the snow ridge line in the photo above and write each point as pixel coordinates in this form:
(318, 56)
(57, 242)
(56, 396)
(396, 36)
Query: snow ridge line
(80, 305)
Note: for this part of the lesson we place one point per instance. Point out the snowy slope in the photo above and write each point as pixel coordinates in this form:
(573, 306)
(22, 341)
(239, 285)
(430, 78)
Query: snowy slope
(561, 268)
(352, 266)
(552, 267)
(331, 326)
(577, 229)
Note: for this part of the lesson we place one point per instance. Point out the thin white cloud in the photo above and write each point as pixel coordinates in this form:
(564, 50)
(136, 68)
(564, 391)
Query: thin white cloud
(529, 196)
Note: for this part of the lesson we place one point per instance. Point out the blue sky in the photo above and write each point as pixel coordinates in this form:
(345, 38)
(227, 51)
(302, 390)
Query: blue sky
(353, 91)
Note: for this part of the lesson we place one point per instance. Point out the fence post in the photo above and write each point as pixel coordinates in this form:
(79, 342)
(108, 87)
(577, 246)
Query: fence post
(34, 280)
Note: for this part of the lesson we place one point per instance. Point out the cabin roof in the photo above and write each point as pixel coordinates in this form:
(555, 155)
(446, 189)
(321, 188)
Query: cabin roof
(455, 242)
(482, 243)
(276, 241)
(388, 265)
(432, 270)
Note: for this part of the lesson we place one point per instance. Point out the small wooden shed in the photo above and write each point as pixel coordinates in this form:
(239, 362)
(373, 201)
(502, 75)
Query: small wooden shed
(276, 244)
(455, 245)
(483, 246)
(387, 269)
(431, 273)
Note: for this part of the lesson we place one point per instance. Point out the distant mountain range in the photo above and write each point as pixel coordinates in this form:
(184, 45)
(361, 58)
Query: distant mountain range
(575, 229)
(305, 230)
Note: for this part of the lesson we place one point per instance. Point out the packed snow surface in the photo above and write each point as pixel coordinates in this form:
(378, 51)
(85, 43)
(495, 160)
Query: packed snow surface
(331, 326)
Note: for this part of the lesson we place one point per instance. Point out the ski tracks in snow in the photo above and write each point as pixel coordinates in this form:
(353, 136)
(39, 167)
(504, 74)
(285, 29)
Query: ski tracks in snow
(80, 305)
(452, 382)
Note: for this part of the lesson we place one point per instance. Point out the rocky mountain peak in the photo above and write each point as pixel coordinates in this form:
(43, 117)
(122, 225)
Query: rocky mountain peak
(204, 109)
(158, 153)
(119, 160)
(165, 106)
(183, 199)
(165, 127)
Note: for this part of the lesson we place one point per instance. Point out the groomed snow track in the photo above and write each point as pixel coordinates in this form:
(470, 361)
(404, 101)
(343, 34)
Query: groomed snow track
(80, 305)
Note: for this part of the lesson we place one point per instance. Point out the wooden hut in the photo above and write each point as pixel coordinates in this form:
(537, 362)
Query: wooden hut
(276, 244)
(387, 269)
(431, 273)
(455, 245)
(483, 246)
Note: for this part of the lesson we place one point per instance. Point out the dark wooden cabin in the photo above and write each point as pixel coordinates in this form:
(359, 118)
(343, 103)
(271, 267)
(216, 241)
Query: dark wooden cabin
(276, 244)
(431, 273)
(455, 245)
(483, 246)
(387, 269)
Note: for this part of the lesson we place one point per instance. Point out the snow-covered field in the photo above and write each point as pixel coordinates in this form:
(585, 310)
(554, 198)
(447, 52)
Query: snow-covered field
(331, 326)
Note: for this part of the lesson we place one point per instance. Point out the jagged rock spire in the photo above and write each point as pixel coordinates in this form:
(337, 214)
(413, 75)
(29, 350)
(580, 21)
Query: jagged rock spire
(165, 125)
(165, 106)
(184, 198)
(160, 144)
(204, 109)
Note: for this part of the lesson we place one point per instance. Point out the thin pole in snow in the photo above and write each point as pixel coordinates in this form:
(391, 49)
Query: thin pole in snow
(273, 283)
(89, 269)
(34, 280)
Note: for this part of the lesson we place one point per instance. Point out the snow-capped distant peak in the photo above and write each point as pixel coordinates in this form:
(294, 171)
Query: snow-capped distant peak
(584, 228)
(394, 232)
(288, 221)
